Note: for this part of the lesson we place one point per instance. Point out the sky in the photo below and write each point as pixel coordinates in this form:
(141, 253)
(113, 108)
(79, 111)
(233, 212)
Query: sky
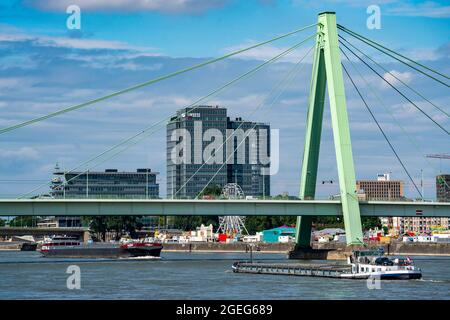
(44, 66)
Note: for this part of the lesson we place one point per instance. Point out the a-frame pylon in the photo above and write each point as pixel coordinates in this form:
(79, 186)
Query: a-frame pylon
(327, 70)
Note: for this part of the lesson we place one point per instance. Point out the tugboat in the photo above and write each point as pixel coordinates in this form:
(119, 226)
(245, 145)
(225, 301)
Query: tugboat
(70, 247)
(372, 263)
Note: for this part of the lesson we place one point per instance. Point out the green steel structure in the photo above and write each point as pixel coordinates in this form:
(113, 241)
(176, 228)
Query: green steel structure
(327, 70)
(163, 207)
(326, 74)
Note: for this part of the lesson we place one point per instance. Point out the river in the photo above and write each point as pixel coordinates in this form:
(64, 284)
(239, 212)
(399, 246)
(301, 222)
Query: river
(27, 275)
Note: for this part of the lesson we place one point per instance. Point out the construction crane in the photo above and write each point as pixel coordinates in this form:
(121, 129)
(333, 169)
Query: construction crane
(440, 157)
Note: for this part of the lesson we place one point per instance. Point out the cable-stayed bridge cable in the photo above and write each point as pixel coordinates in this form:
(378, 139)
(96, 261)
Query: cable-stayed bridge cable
(280, 87)
(395, 88)
(381, 130)
(387, 51)
(394, 76)
(150, 82)
(380, 100)
(283, 81)
(158, 125)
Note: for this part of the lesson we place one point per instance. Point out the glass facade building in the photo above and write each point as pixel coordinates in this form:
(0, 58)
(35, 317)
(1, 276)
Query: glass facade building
(195, 163)
(108, 184)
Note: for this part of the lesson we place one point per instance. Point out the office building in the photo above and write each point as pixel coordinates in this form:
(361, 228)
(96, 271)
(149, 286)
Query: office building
(206, 148)
(108, 184)
(247, 173)
(425, 225)
(381, 189)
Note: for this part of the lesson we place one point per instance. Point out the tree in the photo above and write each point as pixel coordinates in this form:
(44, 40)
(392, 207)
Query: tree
(97, 225)
(214, 191)
(191, 222)
(259, 223)
(370, 223)
(323, 222)
(119, 225)
(23, 221)
(2, 222)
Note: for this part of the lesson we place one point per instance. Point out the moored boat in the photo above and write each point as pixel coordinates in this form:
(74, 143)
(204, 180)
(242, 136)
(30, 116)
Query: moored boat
(28, 246)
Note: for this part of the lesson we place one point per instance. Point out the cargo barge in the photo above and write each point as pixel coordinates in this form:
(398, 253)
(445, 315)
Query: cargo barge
(67, 247)
(361, 265)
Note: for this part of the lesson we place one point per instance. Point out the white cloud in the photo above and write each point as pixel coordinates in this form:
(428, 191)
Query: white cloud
(74, 43)
(14, 35)
(9, 83)
(427, 54)
(392, 77)
(172, 6)
(21, 153)
(428, 9)
(352, 3)
(267, 52)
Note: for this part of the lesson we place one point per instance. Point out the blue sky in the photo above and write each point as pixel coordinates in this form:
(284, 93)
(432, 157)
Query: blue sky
(45, 67)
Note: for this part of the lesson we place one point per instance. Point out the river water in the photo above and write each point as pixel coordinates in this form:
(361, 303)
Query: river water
(27, 275)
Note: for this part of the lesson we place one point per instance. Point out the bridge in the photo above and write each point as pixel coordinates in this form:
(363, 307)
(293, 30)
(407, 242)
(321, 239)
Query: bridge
(327, 73)
(108, 207)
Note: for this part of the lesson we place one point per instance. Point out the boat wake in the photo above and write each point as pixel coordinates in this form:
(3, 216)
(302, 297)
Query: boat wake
(435, 281)
(141, 258)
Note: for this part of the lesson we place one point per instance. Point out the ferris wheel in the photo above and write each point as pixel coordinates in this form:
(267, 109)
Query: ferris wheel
(232, 225)
(232, 191)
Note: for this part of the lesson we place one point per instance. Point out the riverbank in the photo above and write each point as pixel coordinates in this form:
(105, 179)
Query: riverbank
(340, 251)
(10, 246)
(334, 251)
(329, 251)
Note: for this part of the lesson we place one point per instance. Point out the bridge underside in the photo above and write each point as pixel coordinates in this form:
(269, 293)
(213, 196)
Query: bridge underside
(93, 207)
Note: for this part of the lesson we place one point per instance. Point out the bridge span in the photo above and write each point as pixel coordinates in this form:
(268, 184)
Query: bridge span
(166, 207)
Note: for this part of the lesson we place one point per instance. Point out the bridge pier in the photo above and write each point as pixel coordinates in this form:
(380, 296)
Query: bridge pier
(327, 70)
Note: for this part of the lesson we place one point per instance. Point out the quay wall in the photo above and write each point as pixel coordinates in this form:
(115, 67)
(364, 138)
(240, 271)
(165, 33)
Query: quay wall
(336, 251)
(340, 251)
(7, 245)
(228, 247)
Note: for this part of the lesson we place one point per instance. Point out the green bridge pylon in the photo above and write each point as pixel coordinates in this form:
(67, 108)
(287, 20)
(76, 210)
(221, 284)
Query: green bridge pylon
(327, 70)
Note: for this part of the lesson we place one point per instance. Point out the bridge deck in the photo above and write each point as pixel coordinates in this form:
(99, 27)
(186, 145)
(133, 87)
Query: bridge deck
(80, 207)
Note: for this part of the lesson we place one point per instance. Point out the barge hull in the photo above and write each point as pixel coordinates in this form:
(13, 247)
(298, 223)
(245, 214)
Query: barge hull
(102, 252)
(324, 271)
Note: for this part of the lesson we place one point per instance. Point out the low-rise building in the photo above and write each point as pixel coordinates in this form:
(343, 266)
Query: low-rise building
(60, 222)
(258, 237)
(273, 235)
